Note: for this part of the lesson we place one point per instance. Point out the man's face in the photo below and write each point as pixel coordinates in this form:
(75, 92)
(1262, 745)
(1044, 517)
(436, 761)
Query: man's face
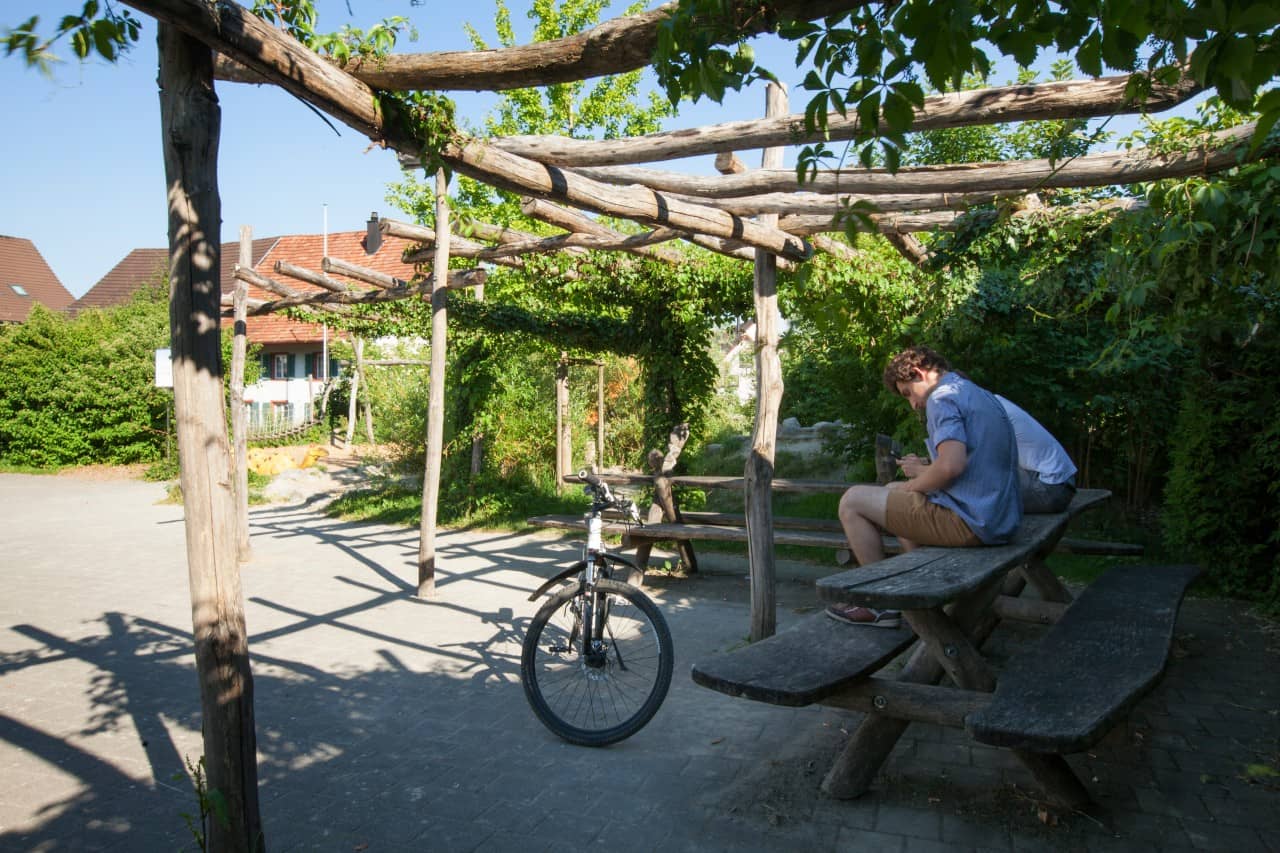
(917, 389)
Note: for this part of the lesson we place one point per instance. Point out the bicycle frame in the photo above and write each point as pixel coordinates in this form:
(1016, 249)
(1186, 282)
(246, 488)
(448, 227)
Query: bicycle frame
(594, 554)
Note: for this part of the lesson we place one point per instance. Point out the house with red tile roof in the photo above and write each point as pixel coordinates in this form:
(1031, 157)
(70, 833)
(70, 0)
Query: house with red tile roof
(295, 358)
(26, 281)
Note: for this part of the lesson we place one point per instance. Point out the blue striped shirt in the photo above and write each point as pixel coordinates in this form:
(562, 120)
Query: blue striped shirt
(986, 494)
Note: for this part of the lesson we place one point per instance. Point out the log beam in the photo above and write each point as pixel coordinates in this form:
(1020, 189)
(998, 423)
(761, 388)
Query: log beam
(311, 277)
(623, 44)
(942, 220)
(1219, 151)
(1032, 102)
(575, 221)
(483, 162)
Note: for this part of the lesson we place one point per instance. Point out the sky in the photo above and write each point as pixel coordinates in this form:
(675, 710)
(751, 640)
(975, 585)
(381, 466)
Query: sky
(83, 174)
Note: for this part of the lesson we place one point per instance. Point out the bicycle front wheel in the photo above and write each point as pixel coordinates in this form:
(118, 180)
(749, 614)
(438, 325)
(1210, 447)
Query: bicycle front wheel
(608, 691)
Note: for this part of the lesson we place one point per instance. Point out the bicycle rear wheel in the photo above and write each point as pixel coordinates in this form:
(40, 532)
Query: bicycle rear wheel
(609, 693)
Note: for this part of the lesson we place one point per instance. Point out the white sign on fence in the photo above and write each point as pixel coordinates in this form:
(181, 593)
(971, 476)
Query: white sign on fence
(164, 369)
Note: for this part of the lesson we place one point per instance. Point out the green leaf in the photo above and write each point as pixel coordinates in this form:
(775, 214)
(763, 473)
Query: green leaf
(1089, 55)
(897, 113)
(869, 111)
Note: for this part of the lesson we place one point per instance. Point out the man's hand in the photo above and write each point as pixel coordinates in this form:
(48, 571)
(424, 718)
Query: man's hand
(950, 463)
(912, 465)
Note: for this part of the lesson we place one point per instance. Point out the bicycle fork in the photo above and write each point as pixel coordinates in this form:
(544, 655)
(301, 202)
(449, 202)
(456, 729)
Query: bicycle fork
(595, 607)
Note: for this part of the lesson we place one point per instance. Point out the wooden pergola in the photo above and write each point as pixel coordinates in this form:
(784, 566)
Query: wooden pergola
(761, 215)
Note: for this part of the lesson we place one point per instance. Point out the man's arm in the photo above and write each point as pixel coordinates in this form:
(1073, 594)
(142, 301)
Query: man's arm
(949, 464)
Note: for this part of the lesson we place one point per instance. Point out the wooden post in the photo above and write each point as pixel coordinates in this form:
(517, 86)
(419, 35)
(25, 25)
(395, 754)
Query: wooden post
(239, 425)
(435, 394)
(759, 467)
(564, 449)
(477, 439)
(190, 124)
(600, 414)
(357, 368)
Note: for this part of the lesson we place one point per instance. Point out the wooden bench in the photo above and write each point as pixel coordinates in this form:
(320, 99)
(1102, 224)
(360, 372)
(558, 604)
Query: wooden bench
(1107, 652)
(731, 527)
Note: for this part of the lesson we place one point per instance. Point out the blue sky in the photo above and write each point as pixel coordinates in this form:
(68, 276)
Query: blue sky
(82, 170)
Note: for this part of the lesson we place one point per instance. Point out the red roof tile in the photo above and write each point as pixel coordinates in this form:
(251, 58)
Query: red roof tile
(307, 251)
(26, 279)
(143, 266)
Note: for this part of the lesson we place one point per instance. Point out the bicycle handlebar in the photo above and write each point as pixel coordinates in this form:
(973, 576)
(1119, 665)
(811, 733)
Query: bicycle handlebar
(604, 497)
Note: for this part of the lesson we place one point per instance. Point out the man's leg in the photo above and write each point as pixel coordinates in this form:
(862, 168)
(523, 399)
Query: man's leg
(862, 513)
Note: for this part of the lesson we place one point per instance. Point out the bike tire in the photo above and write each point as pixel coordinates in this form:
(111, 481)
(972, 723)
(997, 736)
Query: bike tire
(597, 706)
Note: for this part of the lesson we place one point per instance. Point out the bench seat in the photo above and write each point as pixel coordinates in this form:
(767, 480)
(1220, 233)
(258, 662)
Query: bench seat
(1108, 650)
(664, 531)
(803, 664)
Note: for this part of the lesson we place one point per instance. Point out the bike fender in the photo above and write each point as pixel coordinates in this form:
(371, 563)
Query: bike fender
(574, 570)
(570, 572)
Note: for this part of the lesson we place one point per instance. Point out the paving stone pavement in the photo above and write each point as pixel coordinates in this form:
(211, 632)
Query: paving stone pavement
(389, 723)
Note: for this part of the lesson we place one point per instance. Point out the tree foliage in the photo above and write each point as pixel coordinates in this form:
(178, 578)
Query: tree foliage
(75, 391)
(874, 59)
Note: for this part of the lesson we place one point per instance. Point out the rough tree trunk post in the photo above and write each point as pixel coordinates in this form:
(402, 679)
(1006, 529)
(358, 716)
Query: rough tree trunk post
(364, 380)
(435, 394)
(353, 411)
(759, 468)
(664, 506)
(600, 415)
(239, 425)
(190, 123)
(477, 439)
(564, 446)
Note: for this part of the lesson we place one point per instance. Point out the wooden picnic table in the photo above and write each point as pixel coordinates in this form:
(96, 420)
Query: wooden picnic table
(1057, 700)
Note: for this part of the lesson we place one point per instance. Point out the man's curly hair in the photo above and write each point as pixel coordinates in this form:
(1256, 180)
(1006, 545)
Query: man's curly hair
(904, 365)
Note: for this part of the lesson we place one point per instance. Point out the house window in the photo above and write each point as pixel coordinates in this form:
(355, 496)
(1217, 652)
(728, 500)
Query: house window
(280, 366)
(19, 289)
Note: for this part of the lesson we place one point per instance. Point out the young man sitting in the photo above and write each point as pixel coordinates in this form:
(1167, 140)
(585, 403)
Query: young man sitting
(964, 496)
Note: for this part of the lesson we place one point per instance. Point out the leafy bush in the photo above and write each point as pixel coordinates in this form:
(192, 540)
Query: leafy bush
(82, 390)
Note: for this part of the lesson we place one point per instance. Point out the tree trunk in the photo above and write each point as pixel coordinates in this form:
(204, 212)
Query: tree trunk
(190, 125)
(435, 395)
(239, 425)
(759, 467)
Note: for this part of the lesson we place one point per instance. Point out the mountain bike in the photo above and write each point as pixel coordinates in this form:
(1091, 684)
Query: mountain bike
(596, 662)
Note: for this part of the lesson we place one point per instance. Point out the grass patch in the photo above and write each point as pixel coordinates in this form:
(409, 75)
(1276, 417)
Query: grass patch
(257, 483)
(8, 468)
(486, 506)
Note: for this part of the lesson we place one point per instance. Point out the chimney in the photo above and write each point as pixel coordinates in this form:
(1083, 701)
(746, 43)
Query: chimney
(373, 237)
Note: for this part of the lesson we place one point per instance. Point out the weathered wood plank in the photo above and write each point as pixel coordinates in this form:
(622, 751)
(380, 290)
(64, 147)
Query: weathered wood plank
(931, 577)
(902, 700)
(1108, 650)
(804, 664)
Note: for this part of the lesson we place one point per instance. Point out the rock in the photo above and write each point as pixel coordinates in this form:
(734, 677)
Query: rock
(790, 426)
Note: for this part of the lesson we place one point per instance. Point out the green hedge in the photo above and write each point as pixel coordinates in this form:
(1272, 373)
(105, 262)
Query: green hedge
(82, 390)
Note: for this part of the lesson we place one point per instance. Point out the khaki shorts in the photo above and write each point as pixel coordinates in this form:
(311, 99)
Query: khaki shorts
(913, 516)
